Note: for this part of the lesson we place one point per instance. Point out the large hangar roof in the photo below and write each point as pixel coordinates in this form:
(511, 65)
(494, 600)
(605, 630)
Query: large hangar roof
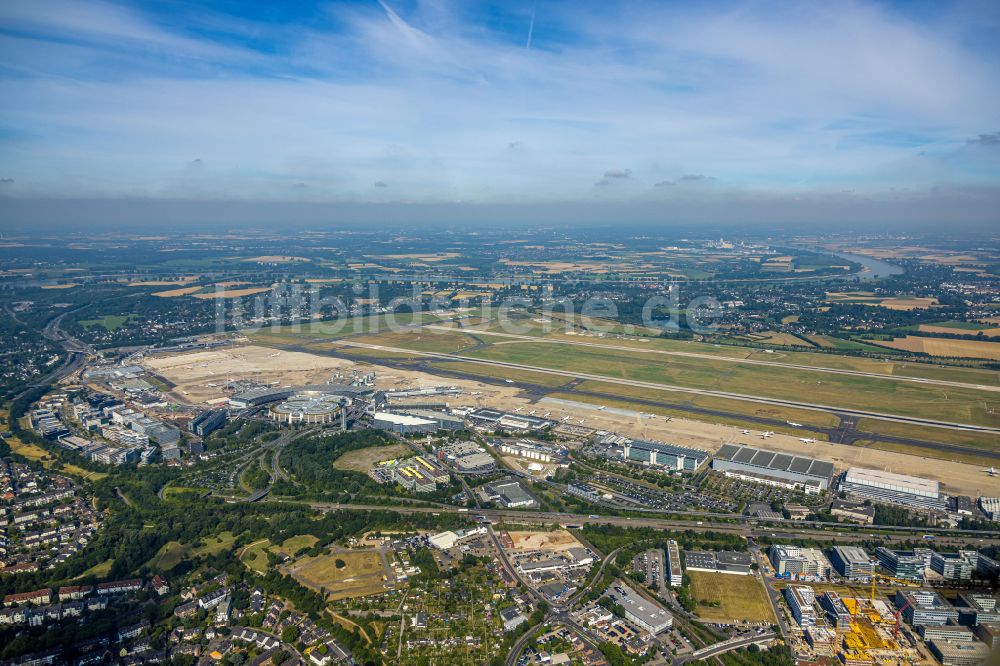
(779, 462)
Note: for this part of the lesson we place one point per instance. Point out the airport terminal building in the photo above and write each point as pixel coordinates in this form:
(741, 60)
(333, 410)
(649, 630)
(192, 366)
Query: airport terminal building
(778, 469)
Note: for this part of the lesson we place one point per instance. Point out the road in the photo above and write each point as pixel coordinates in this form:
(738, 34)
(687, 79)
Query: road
(728, 359)
(786, 531)
(726, 646)
(860, 413)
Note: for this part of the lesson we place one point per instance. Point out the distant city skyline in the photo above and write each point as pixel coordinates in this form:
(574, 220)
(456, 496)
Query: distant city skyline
(438, 110)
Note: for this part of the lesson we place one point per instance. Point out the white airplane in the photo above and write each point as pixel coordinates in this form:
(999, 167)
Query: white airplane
(992, 471)
(581, 421)
(509, 381)
(808, 440)
(531, 413)
(518, 410)
(602, 408)
(766, 434)
(546, 415)
(744, 432)
(794, 424)
(565, 418)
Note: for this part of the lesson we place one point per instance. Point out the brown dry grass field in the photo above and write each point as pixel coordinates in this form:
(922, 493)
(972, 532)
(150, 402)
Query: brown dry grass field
(362, 575)
(987, 332)
(174, 293)
(59, 286)
(233, 293)
(557, 541)
(740, 598)
(947, 347)
(909, 303)
(362, 459)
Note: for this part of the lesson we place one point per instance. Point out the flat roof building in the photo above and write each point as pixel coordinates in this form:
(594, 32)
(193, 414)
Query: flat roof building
(892, 488)
(960, 653)
(925, 607)
(510, 495)
(774, 468)
(404, 424)
(902, 564)
(800, 600)
(658, 454)
(799, 563)
(728, 562)
(640, 611)
(675, 575)
(852, 562)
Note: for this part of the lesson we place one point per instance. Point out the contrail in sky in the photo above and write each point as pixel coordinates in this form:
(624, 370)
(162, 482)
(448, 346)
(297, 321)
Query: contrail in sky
(531, 25)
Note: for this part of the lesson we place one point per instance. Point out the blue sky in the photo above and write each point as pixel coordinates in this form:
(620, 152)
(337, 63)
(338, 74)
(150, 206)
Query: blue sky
(661, 106)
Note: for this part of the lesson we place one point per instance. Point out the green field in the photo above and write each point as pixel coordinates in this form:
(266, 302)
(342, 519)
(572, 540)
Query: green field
(740, 598)
(108, 322)
(619, 357)
(977, 440)
(868, 393)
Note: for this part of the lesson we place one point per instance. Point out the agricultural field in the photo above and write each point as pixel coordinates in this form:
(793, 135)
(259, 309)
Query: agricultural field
(740, 598)
(343, 574)
(361, 460)
(176, 293)
(947, 347)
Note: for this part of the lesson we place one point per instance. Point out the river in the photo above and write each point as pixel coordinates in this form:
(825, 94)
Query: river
(871, 268)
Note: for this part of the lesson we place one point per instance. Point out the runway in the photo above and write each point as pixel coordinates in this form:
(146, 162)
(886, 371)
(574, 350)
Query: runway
(676, 389)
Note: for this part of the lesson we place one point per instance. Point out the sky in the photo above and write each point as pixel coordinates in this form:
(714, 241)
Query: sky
(732, 111)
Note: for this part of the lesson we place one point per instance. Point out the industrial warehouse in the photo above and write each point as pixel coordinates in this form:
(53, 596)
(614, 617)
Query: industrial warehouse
(416, 474)
(777, 469)
(677, 458)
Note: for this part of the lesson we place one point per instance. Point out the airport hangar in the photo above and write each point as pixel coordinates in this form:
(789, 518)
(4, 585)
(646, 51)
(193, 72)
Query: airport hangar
(781, 469)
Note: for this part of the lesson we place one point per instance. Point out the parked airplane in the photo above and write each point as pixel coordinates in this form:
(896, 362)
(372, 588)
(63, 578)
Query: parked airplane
(531, 413)
(766, 434)
(602, 407)
(518, 410)
(808, 440)
(794, 424)
(509, 381)
(992, 471)
(745, 432)
(546, 415)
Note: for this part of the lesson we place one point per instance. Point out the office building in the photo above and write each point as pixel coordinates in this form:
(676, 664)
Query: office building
(777, 469)
(960, 653)
(892, 488)
(799, 563)
(208, 421)
(668, 456)
(901, 564)
(952, 566)
(675, 575)
(925, 607)
(852, 562)
(800, 601)
(836, 610)
(856, 512)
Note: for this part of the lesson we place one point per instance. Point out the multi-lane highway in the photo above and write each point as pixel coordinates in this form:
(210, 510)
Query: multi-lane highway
(784, 531)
